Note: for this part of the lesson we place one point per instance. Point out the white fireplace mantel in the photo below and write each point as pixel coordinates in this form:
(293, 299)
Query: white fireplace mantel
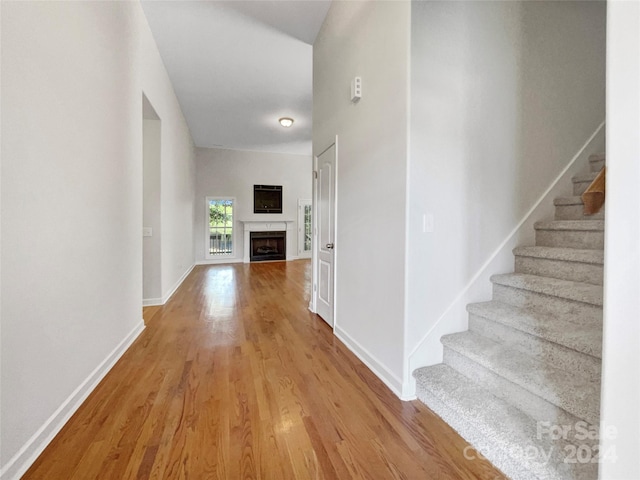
(266, 226)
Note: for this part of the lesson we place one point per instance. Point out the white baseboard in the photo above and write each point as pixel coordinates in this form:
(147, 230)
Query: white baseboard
(378, 368)
(151, 302)
(429, 351)
(219, 261)
(154, 302)
(166, 297)
(223, 261)
(31, 450)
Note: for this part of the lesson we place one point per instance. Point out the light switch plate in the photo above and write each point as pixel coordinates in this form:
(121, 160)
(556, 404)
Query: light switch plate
(356, 89)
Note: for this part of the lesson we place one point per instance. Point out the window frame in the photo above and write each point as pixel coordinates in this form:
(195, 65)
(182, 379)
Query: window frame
(207, 230)
(302, 205)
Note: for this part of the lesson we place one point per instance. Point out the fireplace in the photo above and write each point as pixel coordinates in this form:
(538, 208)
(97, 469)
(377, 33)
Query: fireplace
(267, 246)
(281, 228)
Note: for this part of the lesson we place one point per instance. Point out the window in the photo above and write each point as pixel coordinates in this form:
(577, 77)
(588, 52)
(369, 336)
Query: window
(220, 234)
(304, 228)
(307, 228)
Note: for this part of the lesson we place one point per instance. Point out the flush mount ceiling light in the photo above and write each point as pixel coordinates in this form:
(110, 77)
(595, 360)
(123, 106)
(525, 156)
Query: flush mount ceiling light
(286, 121)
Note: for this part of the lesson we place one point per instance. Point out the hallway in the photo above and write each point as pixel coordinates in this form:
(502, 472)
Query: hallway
(235, 379)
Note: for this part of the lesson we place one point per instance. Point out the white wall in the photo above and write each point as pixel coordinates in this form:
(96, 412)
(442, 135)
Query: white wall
(151, 211)
(0, 234)
(233, 173)
(73, 75)
(503, 96)
(177, 164)
(621, 343)
(371, 40)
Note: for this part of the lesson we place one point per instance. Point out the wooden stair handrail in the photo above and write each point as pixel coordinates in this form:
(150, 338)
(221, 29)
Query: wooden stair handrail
(593, 196)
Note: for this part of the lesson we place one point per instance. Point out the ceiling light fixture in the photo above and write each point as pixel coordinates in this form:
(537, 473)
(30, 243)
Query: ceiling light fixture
(286, 121)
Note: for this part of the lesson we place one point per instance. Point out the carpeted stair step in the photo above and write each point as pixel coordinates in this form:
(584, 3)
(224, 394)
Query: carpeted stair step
(582, 234)
(498, 430)
(546, 337)
(563, 263)
(540, 389)
(581, 301)
(533, 353)
(582, 182)
(572, 208)
(596, 162)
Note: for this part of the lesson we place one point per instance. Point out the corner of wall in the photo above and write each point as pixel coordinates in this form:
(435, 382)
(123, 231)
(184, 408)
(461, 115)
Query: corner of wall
(168, 295)
(31, 450)
(619, 414)
(0, 210)
(394, 383)
(429, 350)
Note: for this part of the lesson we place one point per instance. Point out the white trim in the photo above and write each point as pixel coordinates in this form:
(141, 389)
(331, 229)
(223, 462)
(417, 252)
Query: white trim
(376, 366)
(336, 251)
(152, 302)
(219, 261)
(314, 234)
(236, 260)
(407, 378)
(166, 297)
(431, 340)
(266, 226)
(620, 393)
(29, 452)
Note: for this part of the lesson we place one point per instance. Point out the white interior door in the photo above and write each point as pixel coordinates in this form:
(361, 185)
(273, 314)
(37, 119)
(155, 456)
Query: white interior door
(326, 205)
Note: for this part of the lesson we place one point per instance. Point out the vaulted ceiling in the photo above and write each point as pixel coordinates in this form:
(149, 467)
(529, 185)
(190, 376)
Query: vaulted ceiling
(238, 66)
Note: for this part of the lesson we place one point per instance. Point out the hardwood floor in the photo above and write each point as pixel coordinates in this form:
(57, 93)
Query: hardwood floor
(235, 379)
(149, 312)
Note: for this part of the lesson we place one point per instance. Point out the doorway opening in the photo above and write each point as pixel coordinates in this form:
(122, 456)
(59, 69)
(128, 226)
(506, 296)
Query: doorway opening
(151, 217)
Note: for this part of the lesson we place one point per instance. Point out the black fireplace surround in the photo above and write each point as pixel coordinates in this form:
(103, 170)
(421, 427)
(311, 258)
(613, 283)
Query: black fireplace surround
(267, 246)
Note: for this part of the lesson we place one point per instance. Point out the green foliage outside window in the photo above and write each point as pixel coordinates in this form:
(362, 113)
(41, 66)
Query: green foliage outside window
(221, 213)
(220, 226)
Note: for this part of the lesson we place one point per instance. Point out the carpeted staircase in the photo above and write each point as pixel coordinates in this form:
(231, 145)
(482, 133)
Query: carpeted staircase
(522, 385)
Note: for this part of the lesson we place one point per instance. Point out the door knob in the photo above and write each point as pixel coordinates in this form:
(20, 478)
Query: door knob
(330, 246)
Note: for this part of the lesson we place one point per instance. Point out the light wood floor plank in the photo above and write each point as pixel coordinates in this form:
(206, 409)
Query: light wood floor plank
(235, 379)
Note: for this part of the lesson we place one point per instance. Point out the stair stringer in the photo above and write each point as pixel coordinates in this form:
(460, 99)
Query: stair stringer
(429, 350)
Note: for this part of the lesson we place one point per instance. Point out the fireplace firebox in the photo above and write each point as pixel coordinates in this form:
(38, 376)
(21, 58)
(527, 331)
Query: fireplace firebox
(268, 246)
